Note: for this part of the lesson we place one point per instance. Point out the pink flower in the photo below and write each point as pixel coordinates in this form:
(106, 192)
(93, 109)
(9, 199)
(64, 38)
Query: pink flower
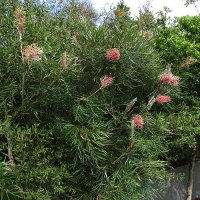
(138, 121)
(163, 99)
(174, 80)
(113, 54)
(32, 53)
(148, 37)
(20, 18)
(105, 81)
(168, 78)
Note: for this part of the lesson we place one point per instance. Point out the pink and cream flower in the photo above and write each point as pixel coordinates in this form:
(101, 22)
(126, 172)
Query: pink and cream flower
(106, 81)
(163, 99)
(32, 53)
(113, 54)
(169, 78)
(138, 121)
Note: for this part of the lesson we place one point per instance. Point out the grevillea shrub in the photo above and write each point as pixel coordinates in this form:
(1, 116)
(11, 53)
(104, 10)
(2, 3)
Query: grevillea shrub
(76, 102)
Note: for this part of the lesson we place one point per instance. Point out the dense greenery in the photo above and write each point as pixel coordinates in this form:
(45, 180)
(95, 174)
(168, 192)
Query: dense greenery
(67, 106)
(178, 44)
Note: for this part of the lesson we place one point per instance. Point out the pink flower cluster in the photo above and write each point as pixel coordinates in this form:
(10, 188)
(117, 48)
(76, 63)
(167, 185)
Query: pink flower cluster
(168, 78)
(148, 37)
(163, 99)
(138, 121)
(33, 53)
(105, 81)
(113, 54)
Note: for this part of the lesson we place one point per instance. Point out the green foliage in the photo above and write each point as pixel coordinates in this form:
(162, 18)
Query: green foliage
(178, 43)
(183, 134)
(188, 2)
(63, 135)
(8, 188)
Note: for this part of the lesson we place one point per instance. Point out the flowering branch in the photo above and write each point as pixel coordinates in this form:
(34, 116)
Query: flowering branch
(105, 81)
(20, 20)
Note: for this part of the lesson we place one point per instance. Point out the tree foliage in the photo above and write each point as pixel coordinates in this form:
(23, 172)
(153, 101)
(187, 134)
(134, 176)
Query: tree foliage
(64, 134)
(178, 44)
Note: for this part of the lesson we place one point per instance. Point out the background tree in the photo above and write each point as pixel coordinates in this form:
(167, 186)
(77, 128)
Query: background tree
(178, 44)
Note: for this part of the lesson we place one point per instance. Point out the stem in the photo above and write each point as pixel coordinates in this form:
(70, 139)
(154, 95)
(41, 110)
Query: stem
(55, 79)
(5, 154)
(23, 74)
(98, 197)
(10, 154)
(111, 112)
(91, 94)
(94, 93)
(21, 46)
(23, 80)
(69, 196)
(191, 174)
(124, 154)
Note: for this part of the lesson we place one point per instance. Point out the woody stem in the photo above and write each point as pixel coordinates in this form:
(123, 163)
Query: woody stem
(94, 92)
(23, 74)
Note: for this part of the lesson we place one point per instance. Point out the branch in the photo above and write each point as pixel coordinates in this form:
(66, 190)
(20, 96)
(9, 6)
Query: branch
(23, 74)
(123, 154)
(191, 174)
(10, 154)
(23, 81)
(69, 196)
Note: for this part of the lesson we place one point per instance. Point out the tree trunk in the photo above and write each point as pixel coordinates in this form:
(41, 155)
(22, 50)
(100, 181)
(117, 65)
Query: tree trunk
(191, 173)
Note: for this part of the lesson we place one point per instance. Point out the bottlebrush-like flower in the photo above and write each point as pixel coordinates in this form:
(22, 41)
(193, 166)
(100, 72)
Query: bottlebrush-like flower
(20, 19)
(174, 80)
(113, 54)
(32, 53)
(147, 36)
(138, 121)
(163, 99)
(189, 61)
(168, 78)
(105, 81)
